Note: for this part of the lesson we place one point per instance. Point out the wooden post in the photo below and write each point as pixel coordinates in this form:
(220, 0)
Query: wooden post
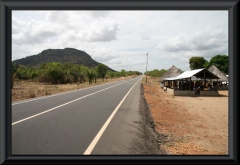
(190, 84)
(205, 80)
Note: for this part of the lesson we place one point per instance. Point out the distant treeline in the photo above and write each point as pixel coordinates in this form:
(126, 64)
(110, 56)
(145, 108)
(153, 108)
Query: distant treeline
(198, 62)
(58, 73)
(156, 73)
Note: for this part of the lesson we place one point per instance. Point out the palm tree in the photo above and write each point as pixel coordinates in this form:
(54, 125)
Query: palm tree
(90, 75)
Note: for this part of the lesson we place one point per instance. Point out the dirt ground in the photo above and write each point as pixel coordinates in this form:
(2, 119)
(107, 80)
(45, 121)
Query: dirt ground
(188, 125)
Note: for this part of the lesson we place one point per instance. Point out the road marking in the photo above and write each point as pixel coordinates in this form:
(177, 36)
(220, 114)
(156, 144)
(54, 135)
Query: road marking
(98, 136)
(19, 121)
(61, 93)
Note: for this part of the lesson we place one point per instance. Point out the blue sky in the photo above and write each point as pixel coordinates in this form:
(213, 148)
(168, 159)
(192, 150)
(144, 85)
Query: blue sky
(121, 39)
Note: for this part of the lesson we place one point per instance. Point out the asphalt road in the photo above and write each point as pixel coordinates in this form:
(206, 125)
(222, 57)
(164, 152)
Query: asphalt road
(104, 119)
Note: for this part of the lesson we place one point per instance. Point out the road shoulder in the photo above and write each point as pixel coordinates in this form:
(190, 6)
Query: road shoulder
(131, 131)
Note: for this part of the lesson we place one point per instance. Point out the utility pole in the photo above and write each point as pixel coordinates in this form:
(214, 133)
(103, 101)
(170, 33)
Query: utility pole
(146, 68)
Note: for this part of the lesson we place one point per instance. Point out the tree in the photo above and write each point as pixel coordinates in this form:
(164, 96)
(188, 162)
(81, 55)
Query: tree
(15, 67)
(83, 73)
(95, 74)
(91, 74)
(23, 73)
(51, 72)
(55, 72)
(220, 61)
(156, 73)
(111, 74)
(197, 62)
(123, 73)
(102, 70)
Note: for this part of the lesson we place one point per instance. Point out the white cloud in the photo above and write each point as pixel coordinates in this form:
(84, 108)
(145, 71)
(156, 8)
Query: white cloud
(146, 38)
(100, 31)
(99, 13)
(17, 25)
(57, 16)
(121, 39)
(103, 54)
(200, 41)
(46, 30)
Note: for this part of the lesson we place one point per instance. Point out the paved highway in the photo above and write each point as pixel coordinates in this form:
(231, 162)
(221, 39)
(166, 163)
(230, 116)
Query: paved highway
(104, 119)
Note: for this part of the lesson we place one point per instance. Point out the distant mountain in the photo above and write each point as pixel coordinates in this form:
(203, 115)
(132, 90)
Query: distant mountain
(70, 55)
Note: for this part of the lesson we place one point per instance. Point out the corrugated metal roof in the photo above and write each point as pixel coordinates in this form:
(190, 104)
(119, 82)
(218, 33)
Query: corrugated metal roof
(197, 73)
(186, 74)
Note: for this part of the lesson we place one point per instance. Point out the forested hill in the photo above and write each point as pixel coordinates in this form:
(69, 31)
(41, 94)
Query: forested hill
(70, 55)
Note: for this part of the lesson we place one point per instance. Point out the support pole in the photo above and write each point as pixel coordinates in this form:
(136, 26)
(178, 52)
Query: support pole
(205, 84)
(190, 84)
(146, 68)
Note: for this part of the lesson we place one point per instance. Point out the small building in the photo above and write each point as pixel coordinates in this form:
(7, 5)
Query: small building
(192, 83)
(172, 72)
(223, 79)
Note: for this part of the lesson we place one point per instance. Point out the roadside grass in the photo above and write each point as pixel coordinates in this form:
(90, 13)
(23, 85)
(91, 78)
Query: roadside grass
(30, 89)
(151, 80)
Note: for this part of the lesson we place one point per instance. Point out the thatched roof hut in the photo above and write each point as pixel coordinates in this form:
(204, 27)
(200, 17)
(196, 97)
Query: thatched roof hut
(218, 73)
(172, 72)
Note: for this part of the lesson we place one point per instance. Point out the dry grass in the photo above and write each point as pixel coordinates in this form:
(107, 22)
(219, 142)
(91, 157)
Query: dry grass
(30, 89)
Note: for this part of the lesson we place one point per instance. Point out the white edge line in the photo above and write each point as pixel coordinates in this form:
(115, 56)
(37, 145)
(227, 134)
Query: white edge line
(62, 93)
(98, 136)
(19, 121)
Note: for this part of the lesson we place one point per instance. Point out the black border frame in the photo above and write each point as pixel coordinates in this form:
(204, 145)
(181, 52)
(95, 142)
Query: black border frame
(6, 6)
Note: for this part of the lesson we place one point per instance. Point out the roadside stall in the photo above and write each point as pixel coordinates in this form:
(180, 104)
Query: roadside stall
(194, 82)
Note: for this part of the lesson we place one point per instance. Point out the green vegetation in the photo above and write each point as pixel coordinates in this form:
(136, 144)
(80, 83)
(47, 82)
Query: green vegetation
(14, 72)
(123, 73)
(91, 75)
(156, 73)
(102, 71)
(57, 73)
(220, 61)
(61, 66)
(197, 62)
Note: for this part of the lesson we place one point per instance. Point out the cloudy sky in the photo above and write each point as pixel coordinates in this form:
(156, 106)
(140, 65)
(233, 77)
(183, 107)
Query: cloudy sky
(121, 39)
